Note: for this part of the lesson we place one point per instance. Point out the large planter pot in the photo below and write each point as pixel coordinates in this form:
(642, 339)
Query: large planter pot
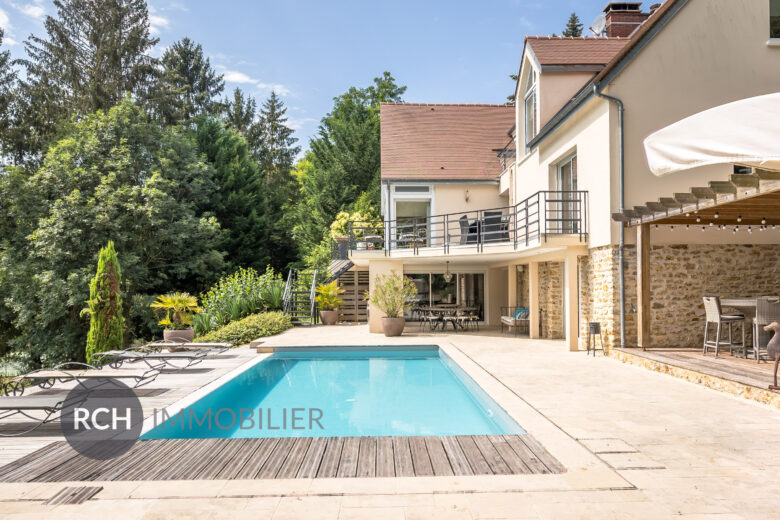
(393, 326)
(179, 336)
(329, 317)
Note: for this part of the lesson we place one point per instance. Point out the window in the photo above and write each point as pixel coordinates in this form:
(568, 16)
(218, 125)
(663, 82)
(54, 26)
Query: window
(412, 189)
(568, 212)
(774, 18)
(529, 102)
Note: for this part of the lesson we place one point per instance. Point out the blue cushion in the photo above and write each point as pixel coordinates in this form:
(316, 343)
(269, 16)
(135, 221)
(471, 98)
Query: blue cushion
(518, 313)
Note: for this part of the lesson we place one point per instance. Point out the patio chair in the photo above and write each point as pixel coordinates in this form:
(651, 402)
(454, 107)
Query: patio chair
(767, 312)
(773, 349)
(465, 229)
(492, 228)
(27, 405)
(78, 372)
(715, 315)
(152, 358)
(515, 317)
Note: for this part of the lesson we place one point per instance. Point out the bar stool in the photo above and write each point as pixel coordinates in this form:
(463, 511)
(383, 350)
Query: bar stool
(714, 314)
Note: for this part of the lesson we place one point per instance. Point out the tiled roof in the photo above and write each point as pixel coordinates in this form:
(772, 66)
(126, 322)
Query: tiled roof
(560, 50)
(442, 141)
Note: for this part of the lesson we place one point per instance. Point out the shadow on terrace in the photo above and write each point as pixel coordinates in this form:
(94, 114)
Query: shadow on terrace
(527, 223)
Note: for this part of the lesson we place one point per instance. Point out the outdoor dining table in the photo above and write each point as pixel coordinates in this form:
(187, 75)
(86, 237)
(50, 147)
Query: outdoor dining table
(448, 310)
(746, 306)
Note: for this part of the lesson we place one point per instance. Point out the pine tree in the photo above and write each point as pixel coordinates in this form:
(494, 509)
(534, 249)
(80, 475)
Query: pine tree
(189, 85)
(573, 26)
(277, 155)
(96, 52)
(106, 325)
(7, 86)
(511, 97)
(240, 114)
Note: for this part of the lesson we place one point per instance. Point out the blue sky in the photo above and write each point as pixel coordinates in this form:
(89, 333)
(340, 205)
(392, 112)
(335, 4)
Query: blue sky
(445, 51)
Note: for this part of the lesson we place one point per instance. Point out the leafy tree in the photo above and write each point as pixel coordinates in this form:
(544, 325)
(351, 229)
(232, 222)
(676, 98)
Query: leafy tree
(239, 201)
(115, 175)
(573, 26)
(106, 325)
(7, 86)
(344, 160)
(95, 52)
(240, 114)
(277, 154)
(189, 84)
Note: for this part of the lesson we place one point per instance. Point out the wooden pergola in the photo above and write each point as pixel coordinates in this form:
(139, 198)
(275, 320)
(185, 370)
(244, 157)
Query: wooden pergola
(746, 200)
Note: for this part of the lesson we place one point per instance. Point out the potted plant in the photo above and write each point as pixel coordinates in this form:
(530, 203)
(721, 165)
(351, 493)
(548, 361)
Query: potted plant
(328, 301)
(179, 308)
(393, 294)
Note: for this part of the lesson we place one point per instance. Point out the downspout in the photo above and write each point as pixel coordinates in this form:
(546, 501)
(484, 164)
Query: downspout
(621, 207)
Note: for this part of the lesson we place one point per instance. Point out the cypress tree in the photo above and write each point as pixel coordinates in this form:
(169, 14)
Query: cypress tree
(240, 114)
(106, 324)
(573, 26)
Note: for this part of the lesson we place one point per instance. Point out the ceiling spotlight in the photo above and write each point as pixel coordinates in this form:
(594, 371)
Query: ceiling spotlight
(717, 214)
(734, 231)
(687, 214)
(687, 226)
(736, 228)
(712, 223)
(703, 228)
(656, 226)
(698, 219)
(763, 220)
(739, 218)
(750, 229)
(671, 227)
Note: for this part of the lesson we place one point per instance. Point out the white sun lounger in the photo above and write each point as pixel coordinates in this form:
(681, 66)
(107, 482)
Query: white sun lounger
(218, 348)
(29, 404)
(152, 359)
(79, 372)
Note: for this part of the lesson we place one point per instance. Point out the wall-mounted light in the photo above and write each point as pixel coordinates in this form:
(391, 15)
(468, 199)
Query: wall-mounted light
(466, 195)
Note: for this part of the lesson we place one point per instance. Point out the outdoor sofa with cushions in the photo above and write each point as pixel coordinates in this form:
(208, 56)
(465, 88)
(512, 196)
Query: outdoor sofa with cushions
(517, 317)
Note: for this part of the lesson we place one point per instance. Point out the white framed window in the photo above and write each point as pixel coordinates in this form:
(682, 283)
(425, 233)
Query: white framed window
(529, 106)
(774, 19)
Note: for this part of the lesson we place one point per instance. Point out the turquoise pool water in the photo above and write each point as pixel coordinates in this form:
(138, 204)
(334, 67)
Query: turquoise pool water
(340, 392)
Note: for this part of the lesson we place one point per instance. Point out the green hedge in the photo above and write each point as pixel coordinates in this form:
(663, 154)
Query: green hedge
(252, 327)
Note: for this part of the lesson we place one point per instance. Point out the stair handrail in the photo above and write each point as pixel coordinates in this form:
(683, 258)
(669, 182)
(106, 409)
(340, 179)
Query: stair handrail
(288, 291)
(312, 301)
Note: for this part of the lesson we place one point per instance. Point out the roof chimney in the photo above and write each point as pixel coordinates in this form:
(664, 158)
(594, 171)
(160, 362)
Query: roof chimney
(623, 18)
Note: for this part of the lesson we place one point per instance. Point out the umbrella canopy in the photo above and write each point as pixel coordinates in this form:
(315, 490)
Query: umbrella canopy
(745, 132)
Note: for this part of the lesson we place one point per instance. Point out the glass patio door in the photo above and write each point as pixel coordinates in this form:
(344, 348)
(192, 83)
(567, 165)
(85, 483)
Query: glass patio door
(412, 227)
(567, 214)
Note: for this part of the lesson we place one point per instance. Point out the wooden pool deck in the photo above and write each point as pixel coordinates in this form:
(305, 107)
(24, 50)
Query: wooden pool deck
(293, 457)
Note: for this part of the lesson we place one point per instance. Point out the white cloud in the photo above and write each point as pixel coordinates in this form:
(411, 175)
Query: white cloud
(236, 76)
(5, 22)
(158, 23)
(7, 40)
(34, 9)
(297, 124)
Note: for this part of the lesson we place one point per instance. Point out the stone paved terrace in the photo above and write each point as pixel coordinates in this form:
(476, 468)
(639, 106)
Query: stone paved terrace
(649, 446)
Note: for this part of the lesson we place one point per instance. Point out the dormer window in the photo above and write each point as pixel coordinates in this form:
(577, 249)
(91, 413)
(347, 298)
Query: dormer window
(529, 102)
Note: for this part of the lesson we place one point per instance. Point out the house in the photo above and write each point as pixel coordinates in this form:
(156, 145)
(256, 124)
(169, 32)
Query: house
(545, 220)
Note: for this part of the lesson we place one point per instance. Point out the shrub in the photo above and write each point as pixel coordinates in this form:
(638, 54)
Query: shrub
(272, 295)
(179, 308)
(328, 296)
(241, 294)
(249, 328)
(393, 294)
(106, 325)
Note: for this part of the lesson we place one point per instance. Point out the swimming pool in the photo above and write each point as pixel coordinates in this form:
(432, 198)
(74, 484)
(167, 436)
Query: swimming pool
(343, 392)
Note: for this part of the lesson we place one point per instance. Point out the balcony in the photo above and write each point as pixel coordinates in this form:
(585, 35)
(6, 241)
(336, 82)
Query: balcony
(544, 216)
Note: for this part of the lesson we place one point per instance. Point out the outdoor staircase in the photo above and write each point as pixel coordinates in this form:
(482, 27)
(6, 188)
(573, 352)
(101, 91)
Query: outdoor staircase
(299, 296)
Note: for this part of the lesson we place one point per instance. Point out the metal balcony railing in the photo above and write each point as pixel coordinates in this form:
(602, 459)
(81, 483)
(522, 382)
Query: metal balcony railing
(543, 214)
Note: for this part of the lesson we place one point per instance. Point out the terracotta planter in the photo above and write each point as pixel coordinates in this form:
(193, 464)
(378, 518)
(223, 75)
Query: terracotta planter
(179, 336)
(329, 317)
(393, 326)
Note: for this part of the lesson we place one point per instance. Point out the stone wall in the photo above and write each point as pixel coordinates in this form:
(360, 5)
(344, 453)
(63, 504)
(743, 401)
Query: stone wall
(600, 296)
(551, 299)
(680, 275)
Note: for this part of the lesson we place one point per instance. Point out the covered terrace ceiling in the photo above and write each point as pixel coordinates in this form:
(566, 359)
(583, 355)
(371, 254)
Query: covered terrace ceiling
(746, 199)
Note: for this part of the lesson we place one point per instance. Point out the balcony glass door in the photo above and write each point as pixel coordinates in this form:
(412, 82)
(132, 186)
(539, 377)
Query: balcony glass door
(412, 226)
(566, 216)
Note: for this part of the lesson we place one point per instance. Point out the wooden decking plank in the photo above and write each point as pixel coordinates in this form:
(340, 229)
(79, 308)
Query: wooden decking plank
(493, 458)
(294, 460)
(207, 457)
(164, 461)
(277, 458)
(313, 457)
(551, 462)
(420, 459)
(30, 472)
(439, 461)
(512, 459)
(243, 454)
(528, 457)
(156, 459)
(263, 448)
(349, 457)
(89, 472)
(402, 457)
(229, 451)
(181, 463)
(330, 460)
(479, 465)
(74, 467)
(384, 457)
(367, 457)
(9, 469)
(458, 460)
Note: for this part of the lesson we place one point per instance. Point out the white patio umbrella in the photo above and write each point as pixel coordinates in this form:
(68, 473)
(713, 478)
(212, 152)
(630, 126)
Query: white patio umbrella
(745, 132)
